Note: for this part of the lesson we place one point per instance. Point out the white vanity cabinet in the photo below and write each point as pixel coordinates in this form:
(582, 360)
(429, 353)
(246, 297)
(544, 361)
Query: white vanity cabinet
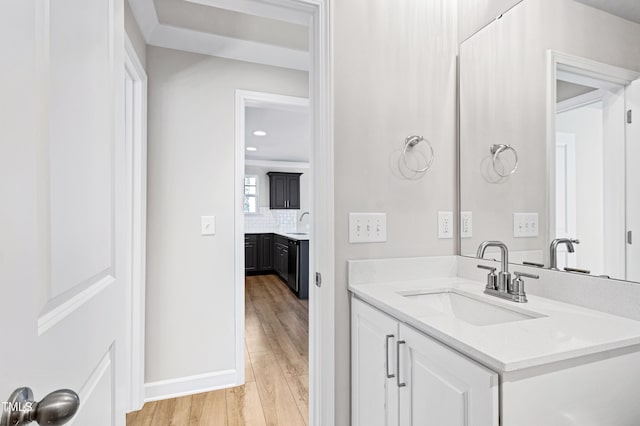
(430, 385)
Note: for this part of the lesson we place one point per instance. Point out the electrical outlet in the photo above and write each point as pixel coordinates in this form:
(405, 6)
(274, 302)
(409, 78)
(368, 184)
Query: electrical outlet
(445, 225)
(525, 225)
(367, 227)
(466, 225)
(207, 225)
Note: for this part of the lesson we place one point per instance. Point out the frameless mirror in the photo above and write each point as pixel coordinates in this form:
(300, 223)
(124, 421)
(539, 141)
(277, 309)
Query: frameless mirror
(548, 148)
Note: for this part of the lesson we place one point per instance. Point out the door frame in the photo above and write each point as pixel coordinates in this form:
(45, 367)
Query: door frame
(136, 152)
(321, 255)
(558, 62)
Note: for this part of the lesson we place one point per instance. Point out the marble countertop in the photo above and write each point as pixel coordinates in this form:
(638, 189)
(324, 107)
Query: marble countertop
(294, 235)
(560, 332)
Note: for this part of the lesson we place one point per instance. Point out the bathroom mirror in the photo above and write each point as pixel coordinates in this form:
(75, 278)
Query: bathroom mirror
(548, 149)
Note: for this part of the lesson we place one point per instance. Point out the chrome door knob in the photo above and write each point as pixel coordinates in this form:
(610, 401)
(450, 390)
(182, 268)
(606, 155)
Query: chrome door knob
(55, 409)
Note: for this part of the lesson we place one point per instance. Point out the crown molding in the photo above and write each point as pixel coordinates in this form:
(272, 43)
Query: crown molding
(161, 35)
(260, 8)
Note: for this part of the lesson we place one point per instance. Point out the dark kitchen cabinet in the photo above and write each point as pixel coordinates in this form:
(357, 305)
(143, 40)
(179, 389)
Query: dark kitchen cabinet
(288, 258)
(250, 253)
(284, 190)
(265, 252)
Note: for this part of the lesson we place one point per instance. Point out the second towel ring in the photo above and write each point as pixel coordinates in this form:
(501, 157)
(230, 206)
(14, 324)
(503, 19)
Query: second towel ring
(409, 143)
(496, 150)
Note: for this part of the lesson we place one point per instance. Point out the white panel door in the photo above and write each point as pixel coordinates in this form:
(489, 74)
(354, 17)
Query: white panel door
(374, 390)
(63, 267)
(633, 181)
(441, 387)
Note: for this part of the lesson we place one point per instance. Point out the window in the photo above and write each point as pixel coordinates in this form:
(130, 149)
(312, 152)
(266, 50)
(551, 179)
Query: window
(251, 194)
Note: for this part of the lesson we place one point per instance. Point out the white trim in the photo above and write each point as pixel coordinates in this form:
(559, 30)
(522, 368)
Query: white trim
(558, 61)
(173, 388)
(580, 101)
(276, 164)
(145, 13)
(138, 169)
(227, 47)
(259, 8)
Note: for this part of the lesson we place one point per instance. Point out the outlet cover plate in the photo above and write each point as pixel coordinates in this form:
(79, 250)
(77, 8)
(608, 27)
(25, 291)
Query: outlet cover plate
(367, 227)
(445, 225)
(466, 225)
(525, 225)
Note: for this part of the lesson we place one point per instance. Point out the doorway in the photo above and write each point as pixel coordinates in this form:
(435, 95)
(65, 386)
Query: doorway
(587, 152)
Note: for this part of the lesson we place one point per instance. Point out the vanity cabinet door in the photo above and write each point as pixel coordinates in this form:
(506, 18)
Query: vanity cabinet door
(374, 393)
(443, 387)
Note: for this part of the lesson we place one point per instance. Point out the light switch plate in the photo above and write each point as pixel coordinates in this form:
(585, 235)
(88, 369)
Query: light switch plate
(207, 225)
(525, 225)
(445, 225)
(466, 225)
(367, 227)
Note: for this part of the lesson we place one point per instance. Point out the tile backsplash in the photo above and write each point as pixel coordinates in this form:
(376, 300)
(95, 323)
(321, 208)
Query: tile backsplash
(271, 220)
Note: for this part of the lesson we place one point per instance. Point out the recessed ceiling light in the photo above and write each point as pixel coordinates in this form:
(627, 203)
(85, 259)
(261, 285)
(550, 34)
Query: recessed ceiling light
(260, 133)
(252, 148)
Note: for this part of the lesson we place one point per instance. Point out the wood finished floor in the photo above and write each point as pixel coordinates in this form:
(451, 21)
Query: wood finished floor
(276, 369)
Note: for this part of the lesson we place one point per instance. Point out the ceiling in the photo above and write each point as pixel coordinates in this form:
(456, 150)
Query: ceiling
(627, 9)
(228, 23)
(287, 136)
(246, 30)
(567, 90)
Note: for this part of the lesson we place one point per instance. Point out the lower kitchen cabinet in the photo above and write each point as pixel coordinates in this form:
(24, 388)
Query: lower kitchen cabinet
(403, 377)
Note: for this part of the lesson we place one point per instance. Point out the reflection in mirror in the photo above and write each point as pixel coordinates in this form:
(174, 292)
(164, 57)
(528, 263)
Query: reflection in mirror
(553, 80)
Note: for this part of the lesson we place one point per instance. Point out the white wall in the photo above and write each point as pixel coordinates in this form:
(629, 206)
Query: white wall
(503, 100)
(190, 278)
(135, 35)
(395, 75)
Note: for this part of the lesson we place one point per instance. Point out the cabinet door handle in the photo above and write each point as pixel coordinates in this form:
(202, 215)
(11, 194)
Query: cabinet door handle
(389, 376)
(400, 384)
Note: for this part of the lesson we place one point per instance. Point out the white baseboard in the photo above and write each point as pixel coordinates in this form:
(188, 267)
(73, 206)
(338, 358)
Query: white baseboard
(172, 388)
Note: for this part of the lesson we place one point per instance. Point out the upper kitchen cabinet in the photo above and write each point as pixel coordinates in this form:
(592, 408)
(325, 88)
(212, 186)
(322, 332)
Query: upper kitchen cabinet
(284, 190)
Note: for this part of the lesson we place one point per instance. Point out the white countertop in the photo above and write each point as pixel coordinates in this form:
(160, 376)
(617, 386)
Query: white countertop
(563, 332)
(293, 235)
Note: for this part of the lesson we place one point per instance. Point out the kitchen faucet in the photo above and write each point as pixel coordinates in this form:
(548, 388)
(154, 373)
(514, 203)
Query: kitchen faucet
(302, 215)
(553, 250)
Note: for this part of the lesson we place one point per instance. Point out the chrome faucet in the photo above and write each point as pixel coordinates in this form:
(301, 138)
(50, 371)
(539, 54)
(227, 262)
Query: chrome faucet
(553, 250)
(504, 277)
(303, 215)
(501, 285)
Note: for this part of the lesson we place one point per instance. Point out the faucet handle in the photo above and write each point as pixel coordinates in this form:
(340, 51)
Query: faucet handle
(492, 278)
(488, 268)
(526, 275)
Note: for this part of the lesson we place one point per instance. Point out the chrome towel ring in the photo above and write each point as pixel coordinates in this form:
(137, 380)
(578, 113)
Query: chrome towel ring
(496, 150)
(409, 143)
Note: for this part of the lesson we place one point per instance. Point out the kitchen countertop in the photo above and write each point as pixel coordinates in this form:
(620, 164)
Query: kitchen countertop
(291, 235)
(563, 331)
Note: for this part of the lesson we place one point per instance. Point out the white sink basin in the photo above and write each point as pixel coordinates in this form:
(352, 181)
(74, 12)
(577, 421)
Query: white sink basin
(468, 308)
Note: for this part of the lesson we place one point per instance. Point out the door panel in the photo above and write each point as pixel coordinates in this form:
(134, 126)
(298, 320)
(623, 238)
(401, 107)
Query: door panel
(443, 387)
(64, 221)
(374, 395)
(293, 192)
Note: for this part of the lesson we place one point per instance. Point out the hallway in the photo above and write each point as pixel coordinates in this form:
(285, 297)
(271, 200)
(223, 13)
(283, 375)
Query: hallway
(276, 369)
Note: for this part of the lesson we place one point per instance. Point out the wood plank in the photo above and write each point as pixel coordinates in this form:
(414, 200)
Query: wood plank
(208, 409)
(144, 417)
(248, 368)
(244, 406)
(179, 415)
(278, 404)
(299, 387)
(162, 412)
